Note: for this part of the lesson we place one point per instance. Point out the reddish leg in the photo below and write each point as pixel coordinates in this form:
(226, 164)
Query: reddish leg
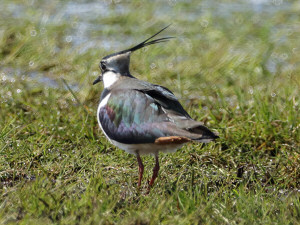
(155, 171)
(141, 168)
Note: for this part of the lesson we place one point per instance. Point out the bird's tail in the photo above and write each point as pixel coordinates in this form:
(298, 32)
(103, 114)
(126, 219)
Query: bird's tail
(205, 135)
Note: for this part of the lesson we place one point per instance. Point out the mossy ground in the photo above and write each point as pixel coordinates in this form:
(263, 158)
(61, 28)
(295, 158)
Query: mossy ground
(234, 68)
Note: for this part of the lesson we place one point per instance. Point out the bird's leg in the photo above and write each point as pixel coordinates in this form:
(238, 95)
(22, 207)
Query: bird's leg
(155, 171)
(141, 168)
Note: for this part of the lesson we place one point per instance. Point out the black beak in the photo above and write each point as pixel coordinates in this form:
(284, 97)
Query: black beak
(97, 80)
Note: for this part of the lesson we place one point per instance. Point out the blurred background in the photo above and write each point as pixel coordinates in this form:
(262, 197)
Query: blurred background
(251, 45)
(234, 65)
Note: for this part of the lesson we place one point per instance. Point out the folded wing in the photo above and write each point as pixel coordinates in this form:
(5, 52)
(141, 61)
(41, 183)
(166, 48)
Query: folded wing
(145, 114)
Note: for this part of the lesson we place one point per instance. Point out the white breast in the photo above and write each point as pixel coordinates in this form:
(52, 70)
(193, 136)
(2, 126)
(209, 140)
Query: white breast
(102, 104)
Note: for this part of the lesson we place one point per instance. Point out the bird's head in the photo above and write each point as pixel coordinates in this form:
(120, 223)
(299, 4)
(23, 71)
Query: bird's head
(116, 65)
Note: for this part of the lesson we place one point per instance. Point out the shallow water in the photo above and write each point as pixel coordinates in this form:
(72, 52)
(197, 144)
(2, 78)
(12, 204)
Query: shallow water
(9, 74)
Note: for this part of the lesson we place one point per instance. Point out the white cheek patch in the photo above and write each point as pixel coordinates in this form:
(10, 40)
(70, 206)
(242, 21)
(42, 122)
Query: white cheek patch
(109, 78)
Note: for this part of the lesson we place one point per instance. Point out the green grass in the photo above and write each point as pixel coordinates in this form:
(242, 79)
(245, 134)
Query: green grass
(239, 75)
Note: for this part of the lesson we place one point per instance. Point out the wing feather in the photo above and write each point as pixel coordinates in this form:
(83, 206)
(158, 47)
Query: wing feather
(139, 112)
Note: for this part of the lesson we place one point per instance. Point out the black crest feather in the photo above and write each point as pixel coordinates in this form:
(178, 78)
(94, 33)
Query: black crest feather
(144, 43)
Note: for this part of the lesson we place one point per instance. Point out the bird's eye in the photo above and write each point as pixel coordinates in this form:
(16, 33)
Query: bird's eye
(103, 66)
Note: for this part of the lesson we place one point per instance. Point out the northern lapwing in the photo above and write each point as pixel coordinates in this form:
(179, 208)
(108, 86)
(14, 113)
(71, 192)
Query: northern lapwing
(140, 117)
